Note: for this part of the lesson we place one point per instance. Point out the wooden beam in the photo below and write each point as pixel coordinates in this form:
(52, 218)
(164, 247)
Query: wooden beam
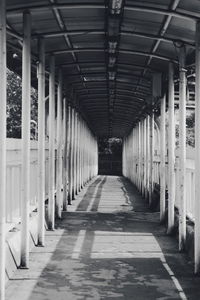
(147, 158)
(2, 146)
(65, 153)
(171, 151)
(70, 161)
(41, 143)
(59, 200)
(182, 149)
(162, 158)
(197, 154)
(51, 202)
(26, 112)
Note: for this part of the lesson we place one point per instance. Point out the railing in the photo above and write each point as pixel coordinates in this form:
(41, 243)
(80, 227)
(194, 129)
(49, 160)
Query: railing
(190, 181)
(189, 188)
(13, 180)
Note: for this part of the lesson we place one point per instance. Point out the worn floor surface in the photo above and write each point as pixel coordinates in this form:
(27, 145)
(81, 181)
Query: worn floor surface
(107, 246)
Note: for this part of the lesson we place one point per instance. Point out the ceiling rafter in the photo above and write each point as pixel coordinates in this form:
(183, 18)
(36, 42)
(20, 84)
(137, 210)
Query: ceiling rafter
(123, 51)
(181, 13)
(62, 26)
(162, 32)
(96, 32)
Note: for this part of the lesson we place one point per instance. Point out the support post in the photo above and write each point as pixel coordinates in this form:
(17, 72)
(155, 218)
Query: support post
(65, 154)
(26, 92)
(162, 158)
(182, 149)
(139, 156)
(197, 154)
(70, 116)
(171, 151)
(76, 154)
(73, 153)
(51, 202)
(41, 143)
(59, 202)
(2, 145)
(151, 153)
(147, 158)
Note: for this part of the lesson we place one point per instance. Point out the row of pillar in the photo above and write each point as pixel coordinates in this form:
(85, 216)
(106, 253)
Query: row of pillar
(137, 159)
(138, 154)
(73, 150)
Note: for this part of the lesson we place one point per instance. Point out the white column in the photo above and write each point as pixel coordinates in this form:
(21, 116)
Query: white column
(2, 145)
(59, 202)
(76, 154)
(147, 158)
(73, 153)
(65, 153)
(171, 150)
(182, 150)
(71, 117)
(79, 158)
(26, 92)
(41, 143)
(151, 153)
(70, 159)
(51, 202)
(139, 156)
(197, 153)
(162, 158)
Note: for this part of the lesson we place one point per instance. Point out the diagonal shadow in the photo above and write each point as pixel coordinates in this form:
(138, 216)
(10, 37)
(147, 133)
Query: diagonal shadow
(118, 257)
(83, 205)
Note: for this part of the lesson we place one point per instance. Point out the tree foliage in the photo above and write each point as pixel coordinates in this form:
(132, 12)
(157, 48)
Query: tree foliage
(110, 146)
(14, 107)
(190, 134)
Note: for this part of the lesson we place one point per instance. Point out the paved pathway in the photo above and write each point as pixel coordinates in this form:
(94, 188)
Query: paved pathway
(108, 246)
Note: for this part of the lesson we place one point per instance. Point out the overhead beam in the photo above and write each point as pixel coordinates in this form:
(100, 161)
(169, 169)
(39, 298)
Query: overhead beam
(123, 51)
(181, 13)
(61, 33)
(93, 63)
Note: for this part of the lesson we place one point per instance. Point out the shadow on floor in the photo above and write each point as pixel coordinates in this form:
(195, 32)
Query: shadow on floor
(123, 255)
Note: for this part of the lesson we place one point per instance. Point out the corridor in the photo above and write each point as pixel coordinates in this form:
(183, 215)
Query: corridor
(108, 245)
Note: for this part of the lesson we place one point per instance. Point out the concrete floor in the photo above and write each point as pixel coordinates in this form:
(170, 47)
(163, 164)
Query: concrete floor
(107, 246)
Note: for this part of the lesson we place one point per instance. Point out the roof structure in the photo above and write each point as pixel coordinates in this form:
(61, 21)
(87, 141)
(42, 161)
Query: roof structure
(108, 50)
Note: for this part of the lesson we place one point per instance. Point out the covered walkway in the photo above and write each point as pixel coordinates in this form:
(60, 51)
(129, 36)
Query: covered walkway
(102, 69)
(109, 246)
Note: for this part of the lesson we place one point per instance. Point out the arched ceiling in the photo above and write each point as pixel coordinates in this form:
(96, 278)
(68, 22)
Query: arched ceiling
(108, 50)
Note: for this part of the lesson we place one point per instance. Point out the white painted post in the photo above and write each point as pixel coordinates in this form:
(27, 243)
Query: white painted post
(79, 161)
(147, 158)
(182, 149)
(139, 157)
(26, 93)
(197, 154)
(59, 202)
(171, 150)
(2, 145)
(65, 154)
(151, 153)
(41, 143)
(162, 158)
(73, 153)
(51, 202)
(70, 115)
(76, 153)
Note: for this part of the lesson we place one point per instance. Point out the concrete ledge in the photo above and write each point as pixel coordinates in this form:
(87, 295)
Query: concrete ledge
(13, 242)
(189, 245)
